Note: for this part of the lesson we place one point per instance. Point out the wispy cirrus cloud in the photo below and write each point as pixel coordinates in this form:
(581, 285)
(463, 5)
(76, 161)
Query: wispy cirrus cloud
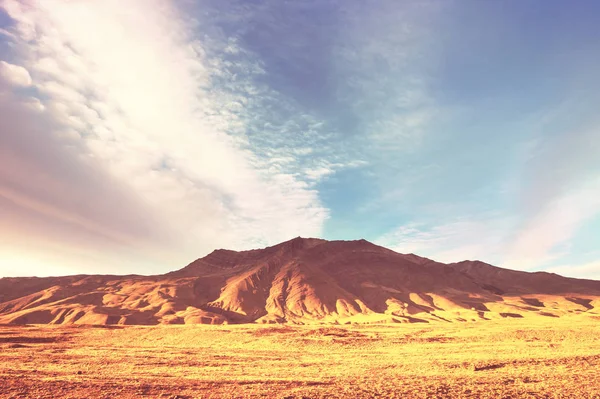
(536, 239)
(453, 240)
(383, 65)
(510, 175)
(588, 270)
(525, 242)
(169, 115)
(545, 235)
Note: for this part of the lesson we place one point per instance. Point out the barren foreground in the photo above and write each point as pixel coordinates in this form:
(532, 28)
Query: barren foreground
(553, 358)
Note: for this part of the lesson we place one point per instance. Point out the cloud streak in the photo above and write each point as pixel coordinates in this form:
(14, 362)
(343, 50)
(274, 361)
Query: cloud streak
(139, 99)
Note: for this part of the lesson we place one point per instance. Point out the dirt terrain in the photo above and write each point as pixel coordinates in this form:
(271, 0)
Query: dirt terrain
(306, 318)
(536, 358)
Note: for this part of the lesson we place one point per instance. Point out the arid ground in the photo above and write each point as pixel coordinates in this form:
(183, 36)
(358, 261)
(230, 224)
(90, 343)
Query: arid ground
(541, 358)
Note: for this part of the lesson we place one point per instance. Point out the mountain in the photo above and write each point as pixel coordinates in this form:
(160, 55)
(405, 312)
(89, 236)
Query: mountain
(304, 280)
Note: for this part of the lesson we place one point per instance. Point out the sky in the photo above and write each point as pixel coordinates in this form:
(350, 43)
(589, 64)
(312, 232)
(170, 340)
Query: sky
(137, 136)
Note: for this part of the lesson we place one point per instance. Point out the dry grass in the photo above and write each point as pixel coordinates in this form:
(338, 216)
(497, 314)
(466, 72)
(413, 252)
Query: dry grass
(551, 358)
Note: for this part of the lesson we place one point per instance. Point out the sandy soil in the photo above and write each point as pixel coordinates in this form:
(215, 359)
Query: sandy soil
(494, 359)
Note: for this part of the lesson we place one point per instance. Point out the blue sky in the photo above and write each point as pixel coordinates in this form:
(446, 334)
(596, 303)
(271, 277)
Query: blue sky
(138, 136)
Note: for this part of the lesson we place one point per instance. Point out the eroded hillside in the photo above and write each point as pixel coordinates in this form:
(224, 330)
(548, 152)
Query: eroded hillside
(300, 281)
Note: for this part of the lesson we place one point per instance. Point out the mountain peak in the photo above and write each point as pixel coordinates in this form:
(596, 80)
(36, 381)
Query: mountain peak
(301, 242)
(302, 280)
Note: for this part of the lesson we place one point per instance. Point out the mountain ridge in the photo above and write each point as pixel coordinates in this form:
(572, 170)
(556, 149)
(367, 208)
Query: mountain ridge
(301, 281)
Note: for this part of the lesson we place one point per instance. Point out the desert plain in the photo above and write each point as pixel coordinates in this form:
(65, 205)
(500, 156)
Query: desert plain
(527, 358)
(304, 319)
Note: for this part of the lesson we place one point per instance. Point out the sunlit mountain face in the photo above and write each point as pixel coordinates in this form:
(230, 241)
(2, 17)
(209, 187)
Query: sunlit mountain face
(137, 135)
(303, 281)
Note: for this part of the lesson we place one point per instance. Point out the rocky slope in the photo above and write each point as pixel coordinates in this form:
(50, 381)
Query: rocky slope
(301, 281)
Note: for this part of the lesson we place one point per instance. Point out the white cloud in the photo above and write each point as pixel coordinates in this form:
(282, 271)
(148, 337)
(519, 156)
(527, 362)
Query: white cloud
(453, 241)
(381, 73)
(33, 103)
(504, 240)
(6, 33)
(319, 173)
(15, 74)
(587, 270)
(538, 241)
(130, 86)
